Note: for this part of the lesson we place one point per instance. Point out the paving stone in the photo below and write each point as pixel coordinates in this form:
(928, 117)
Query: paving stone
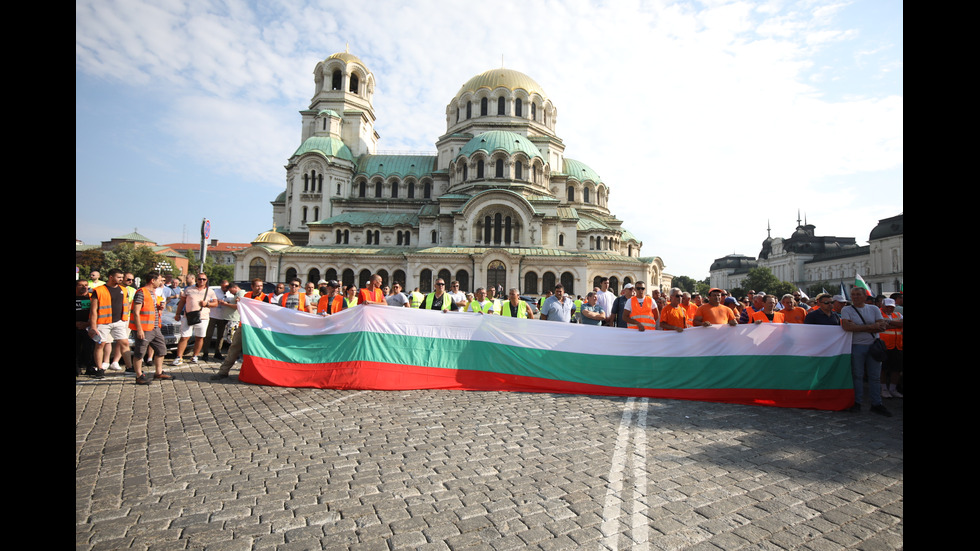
(196, 465)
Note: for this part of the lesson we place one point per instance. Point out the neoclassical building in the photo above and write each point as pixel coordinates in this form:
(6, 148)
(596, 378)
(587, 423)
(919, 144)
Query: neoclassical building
(498, 202)
(805, 258)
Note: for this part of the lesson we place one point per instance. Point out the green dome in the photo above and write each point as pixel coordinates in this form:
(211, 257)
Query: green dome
(327, 146)
(580, 171)
(505, 78)
(329, 112)
(499, 140)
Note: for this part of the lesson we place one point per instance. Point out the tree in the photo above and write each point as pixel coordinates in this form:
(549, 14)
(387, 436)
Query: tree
(137, 260)
(762, 279)
(92, 259)
(216, 272)
(685, 283)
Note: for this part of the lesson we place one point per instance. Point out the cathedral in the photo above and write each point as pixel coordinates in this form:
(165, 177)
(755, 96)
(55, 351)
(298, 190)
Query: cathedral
(497, 203)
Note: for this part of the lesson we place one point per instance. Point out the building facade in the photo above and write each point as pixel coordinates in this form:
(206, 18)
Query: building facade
(497, 203)
(805, 259)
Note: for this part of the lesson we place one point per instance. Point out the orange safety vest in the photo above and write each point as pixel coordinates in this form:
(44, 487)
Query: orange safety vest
(105, 305)
(261, 297)
(365, 296)
(893, 337)
(300, 305)
(760, 315)
(336, 304)
(642, 314)
(147, 314)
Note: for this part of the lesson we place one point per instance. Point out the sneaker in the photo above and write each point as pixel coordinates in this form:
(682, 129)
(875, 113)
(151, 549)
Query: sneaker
(116, 367)
(219, 376)
(896, 394)
(205, 358)
(881, 410)
(105, 365)
(99, 374)
(143, 379)
(193, 359)
(163, 376)
(885, 393)
(177, 361)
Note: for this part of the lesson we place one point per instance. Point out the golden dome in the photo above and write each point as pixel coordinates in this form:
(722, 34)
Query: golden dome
(496, 78)
(347, 57)
(272, 237)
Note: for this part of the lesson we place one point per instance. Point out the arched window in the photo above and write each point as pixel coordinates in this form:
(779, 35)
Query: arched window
(385, 280)
(304, 215)
(330, 275)
(585, 195)
(408, 237)
(518, 108)
(313, 276)
(500, 105)
(362, 189)
(571, 194)
(256, 268)
(628, 280)
(463, 277)
(568, 282)
(534, 111)
(518, 171)
(399, 277)
(483, 107)
(446, 275)
(561, 240)
(487, 229)
(306, 182)
(629, 250)
(353, 84)
(363, 278)
(377, 237)
(548, 282)
(319, 183)
(335, 81)
(369, 235)
(399, 235)
(507, 232)
(591, 243)
(433, 236)
(346, 237)
(497, 223)
(596, 281)
(411, 190)
(469, 109)
(479, 169)
(464, 171)
(425, 281)
(614, 285)
(348, 278)
(427, 190)
(457, 114)
(531, 283)
(290, 274)
(377, 189)
(394, 189)
(340, 236)
(316, 213)
(499, 169)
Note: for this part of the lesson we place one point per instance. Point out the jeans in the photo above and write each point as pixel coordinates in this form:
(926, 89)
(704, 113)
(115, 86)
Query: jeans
(861, 361)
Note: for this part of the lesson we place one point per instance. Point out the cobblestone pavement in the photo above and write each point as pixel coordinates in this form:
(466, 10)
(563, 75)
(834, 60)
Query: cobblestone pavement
(193, 464)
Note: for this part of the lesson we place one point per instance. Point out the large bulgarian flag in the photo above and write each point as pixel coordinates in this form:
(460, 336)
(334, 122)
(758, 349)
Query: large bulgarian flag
(385, 348)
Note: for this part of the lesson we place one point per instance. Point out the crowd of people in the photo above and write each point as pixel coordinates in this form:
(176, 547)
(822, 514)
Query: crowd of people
(107, 311)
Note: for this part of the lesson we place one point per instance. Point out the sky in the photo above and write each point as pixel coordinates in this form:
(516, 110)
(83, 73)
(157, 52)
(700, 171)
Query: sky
(707, 120)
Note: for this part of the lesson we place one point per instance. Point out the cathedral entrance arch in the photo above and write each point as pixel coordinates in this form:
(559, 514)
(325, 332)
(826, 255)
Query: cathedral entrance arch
(497, 275)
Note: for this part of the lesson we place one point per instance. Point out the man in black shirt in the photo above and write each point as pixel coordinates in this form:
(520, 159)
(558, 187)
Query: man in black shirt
(84, 345)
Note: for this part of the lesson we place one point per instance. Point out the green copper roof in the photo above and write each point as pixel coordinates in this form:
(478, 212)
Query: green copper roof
(327, 146)
(586, 223)
(330, 112)
(383, 219)
(134, 236)
(627, 236)
(281, 198)
(500, 140)
(396, 165)
(580, 171)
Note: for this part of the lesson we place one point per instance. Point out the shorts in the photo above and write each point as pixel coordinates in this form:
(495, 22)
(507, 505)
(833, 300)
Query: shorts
(111, 332)
(199, 330)
(154, 339)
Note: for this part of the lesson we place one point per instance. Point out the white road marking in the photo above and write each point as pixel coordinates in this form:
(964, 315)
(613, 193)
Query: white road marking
(347, 395)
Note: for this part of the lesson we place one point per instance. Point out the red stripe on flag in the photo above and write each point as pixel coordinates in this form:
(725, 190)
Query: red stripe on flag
(382, 376)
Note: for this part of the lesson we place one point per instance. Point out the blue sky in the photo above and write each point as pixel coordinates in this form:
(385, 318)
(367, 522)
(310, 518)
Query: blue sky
(706, 119)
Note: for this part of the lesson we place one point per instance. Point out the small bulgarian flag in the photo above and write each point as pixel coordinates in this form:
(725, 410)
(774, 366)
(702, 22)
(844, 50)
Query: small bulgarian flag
(860, 283)
(382, 348)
